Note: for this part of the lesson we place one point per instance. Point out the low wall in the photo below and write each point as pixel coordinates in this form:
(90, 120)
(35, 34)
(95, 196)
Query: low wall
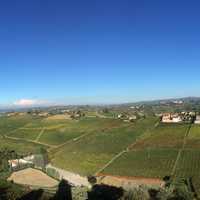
(72, 178)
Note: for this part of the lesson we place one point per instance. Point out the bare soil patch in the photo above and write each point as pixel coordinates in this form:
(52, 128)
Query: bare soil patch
(59, 117)
(126, 181)
(32, 177)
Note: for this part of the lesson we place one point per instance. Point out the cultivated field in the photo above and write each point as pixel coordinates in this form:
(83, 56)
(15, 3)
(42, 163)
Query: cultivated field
(24, 133)
(8, 124)
(189, 164)
(91, 153)
(152, 163)
(21, 147)
(193, 140)
(164, 136)
(92, 145)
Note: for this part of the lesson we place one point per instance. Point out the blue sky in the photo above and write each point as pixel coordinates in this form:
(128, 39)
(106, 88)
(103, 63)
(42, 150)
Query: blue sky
(95, 51)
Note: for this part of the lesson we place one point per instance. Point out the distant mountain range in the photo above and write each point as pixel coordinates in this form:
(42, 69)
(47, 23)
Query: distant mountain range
(184, 99)
(150, 102)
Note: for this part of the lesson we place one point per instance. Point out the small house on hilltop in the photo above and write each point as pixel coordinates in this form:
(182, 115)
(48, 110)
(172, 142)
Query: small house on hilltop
(17, 164)
(132, 118)
(43, 114)
(11, 114)
(38, 161)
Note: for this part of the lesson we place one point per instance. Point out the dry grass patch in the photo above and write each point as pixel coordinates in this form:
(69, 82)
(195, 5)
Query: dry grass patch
(59, 117)
(32, 177)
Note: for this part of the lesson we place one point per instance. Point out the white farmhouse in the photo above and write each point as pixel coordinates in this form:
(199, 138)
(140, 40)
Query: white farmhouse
(166, 118)
(18, 162)
(21, 162)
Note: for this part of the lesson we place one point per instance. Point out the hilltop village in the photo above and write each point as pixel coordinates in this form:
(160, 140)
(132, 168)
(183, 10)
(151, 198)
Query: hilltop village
(169, 111)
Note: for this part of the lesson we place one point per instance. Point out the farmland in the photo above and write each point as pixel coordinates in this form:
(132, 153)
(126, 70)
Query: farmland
(188, 165)
(193, 140)
(22, 147)
(164, 136)
(152, 163)
(91, 153)
(90, 145)
(8, 124)
(28, 134)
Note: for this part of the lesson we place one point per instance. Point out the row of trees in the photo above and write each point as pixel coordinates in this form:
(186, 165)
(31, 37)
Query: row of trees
(5, 156)
(105, 192)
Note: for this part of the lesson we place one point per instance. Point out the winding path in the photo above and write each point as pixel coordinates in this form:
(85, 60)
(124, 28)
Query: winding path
(110, 162)
(25, 140)
(39, 135)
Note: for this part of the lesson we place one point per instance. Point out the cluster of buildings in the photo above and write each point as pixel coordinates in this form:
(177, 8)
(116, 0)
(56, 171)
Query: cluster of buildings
(172, 102)
(38, 161)
(73, 114)
(127, 118)
(171, 118)
(180, 117)
(12, 114)
(21, 163)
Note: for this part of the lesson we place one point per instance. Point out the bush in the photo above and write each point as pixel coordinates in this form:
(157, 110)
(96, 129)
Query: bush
(9, 190)
(53, 173)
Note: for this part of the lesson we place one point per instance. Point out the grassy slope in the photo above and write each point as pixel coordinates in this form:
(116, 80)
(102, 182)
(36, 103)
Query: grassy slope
(59, 136)
(29, 134)
(153, 163)
(193, 140)
(152, 156)
(189, 164)
(164, 136)
(155, 154)
(74, 129)
(8, 124)
(91, 153)
(19, 146)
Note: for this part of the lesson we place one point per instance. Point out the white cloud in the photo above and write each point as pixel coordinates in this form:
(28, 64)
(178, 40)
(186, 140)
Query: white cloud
(29, 102)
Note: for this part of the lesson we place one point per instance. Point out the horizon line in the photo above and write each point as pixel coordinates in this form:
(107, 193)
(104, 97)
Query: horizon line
(49, 104)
